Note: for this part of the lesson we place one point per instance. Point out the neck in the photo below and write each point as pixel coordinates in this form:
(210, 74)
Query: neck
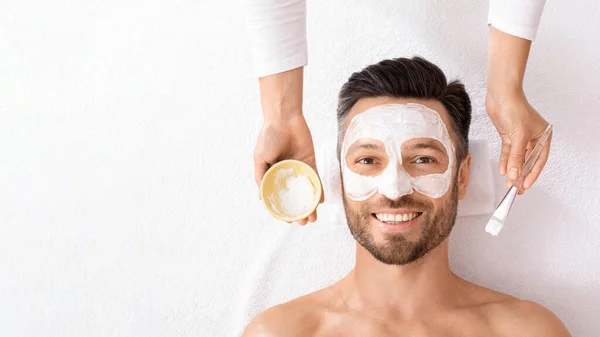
(402, 291)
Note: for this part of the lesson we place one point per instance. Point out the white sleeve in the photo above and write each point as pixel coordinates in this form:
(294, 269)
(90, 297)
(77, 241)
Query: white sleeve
(277, 32)
(516, 17)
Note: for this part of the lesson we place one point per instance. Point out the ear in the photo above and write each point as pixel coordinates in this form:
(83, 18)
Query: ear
(463, 177)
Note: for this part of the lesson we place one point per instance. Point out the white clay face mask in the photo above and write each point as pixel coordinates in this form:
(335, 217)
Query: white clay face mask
(294, 193)
(395, 149)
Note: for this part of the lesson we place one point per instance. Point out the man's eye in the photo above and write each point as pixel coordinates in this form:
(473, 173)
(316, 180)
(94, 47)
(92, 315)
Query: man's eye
(424, 160)
(366, 161)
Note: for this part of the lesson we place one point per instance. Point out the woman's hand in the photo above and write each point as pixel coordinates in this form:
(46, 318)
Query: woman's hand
(284, 134)
(517, 122)
(520, 126)
(284, 139)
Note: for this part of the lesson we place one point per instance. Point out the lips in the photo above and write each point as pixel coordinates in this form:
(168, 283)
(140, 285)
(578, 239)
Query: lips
(398, 217)
(397, 222)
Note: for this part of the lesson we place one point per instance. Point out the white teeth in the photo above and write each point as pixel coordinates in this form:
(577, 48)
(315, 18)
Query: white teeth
(396, 217)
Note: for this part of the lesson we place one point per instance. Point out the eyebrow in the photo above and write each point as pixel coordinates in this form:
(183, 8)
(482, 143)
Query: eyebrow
(427, 145)
(367, 146)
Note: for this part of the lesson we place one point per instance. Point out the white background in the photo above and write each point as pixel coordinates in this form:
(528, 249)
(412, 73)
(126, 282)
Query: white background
(127, 200)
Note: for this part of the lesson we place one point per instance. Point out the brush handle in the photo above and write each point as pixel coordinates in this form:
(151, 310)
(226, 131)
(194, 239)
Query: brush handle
(533, 156)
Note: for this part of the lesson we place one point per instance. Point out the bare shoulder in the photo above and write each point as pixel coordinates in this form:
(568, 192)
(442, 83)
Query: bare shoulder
(299, 317)
(514, 317)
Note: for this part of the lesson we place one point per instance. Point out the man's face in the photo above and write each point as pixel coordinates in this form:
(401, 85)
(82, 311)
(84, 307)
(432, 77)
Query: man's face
(400, 181)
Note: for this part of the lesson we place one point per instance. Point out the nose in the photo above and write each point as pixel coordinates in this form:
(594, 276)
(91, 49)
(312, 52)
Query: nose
(399, 184)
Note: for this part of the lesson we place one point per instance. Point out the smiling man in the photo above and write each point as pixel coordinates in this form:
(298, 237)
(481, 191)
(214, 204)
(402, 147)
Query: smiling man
(403, 151)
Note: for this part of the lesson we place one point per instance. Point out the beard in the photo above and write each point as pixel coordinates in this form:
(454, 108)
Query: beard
(396, 249)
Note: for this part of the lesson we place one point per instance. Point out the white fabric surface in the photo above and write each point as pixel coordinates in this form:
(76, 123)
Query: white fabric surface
(277, 29)
(128, 202)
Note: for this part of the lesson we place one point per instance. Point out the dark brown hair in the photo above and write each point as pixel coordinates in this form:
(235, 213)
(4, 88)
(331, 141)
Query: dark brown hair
(411, 78)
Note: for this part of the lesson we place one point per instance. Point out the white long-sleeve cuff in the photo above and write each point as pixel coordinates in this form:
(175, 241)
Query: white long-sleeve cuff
(516, 17)
(277, 32)
(269, 65)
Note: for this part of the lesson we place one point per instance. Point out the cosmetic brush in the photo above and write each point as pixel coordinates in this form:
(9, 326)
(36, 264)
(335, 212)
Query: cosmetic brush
(499, 217)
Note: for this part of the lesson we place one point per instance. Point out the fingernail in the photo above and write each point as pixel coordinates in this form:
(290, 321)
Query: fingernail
(513, 173)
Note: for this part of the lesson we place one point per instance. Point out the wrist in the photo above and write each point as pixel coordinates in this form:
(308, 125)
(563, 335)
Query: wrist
(280, 114)
(281, 95)
(504, 91)
(281, 118)
(507, 61)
